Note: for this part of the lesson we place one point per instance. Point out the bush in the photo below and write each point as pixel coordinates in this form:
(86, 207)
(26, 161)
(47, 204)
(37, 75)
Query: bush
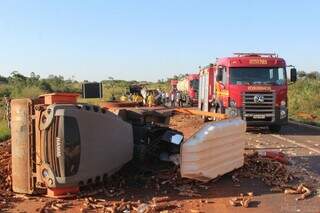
(304, 97)
(4, 131)
(27, 92)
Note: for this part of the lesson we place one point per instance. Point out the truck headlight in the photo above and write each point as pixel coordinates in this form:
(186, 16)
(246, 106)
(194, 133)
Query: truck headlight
(283, 113)
(283, 103)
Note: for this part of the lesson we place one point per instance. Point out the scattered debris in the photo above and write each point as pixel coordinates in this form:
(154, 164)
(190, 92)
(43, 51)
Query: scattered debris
(55, 205)
(242, 200)
(142, 208)
(160, 199)
(301, 189)
(188, 191)
(275, 155)
(271, 172)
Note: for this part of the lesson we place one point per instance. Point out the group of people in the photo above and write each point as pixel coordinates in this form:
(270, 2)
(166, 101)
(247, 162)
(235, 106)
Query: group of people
(149, 98)
(155, 97)
(176, 98)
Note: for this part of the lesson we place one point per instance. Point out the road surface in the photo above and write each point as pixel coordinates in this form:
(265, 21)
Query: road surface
(300, 143)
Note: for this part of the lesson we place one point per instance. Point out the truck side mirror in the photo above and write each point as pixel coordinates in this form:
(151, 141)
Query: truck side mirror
(293, 74)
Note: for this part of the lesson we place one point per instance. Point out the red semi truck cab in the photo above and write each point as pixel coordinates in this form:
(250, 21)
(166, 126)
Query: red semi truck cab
(193, 87)
(252, 85)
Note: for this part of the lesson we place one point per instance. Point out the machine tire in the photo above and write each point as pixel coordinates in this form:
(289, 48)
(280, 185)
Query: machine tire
(274, 128)
(205, 118)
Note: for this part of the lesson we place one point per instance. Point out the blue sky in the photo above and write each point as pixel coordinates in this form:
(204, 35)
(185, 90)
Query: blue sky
(150, 40)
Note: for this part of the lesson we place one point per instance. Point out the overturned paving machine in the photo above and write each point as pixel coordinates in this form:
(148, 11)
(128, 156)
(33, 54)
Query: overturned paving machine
(59, 145)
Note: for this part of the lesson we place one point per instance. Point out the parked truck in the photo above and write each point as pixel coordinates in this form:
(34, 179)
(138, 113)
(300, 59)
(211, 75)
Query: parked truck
(252, 85)
(188, 86)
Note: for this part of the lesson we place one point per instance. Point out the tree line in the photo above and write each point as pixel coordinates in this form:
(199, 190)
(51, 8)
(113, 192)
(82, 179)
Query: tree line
(18, 85)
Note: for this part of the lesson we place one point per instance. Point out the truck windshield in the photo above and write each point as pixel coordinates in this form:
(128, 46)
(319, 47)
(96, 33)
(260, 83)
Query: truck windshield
(258, 75)
(72, 146)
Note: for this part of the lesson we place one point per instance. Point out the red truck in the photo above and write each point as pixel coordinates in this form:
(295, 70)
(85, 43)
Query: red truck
(188, 86)
(252, 85)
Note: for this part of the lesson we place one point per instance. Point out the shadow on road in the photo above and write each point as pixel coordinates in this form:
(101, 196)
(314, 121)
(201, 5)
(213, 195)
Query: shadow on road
(311, 162)
(290, 129)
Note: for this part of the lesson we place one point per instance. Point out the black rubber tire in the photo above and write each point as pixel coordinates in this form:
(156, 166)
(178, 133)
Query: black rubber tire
(275, 128)
(205, 118)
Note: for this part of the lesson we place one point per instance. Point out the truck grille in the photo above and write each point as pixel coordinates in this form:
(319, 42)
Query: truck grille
(258, 106)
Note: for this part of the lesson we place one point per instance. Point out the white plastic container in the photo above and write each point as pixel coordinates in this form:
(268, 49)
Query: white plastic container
(216, 149)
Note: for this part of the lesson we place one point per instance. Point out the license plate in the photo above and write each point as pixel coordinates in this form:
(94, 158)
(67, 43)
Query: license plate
(259, 116)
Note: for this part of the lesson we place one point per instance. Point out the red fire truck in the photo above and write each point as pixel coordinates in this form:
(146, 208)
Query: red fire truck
(252, 85)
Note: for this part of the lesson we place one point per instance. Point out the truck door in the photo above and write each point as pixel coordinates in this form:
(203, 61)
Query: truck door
(221, 86)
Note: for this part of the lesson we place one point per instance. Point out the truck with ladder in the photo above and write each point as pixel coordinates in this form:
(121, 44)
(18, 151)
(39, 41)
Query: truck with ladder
(251, 85)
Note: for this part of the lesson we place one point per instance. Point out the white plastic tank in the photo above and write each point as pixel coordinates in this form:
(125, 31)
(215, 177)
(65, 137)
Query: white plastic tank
(216, 149)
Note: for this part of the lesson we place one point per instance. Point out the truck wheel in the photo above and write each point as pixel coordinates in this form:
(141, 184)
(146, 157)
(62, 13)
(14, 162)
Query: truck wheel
(275, 128)
(205, 118)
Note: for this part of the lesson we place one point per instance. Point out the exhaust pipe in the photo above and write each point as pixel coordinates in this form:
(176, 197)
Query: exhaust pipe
(21, 145)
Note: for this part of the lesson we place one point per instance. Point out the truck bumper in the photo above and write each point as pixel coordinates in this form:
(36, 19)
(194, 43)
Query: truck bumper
(280, 117)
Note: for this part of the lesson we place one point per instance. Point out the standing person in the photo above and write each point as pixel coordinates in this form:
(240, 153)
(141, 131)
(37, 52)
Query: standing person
(150, 100)
(144, 95)
(167, 97)
(173, 98)
(178, 99)
(134, 97)
(157, 96)
(163, 98)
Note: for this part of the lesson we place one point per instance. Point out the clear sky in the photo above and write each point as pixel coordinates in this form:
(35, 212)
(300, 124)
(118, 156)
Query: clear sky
(151, 39)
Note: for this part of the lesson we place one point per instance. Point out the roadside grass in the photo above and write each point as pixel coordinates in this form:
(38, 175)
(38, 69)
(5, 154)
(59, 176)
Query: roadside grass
(4, 130)
(304, 101)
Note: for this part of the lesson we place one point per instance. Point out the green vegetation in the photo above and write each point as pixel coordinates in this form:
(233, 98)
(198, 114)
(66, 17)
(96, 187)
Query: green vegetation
(20, 86)
(119, 87)
(304, 95)
(4, 130)
(304, 100)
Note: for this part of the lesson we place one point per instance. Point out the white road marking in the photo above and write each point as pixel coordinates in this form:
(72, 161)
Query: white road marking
(296, 143)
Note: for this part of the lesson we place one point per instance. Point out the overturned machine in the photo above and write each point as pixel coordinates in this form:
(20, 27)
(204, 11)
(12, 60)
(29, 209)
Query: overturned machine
(59, 145)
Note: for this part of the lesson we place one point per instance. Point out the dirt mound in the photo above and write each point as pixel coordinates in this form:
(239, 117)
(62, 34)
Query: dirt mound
(187, 124)
(5, 165)
(6, 195)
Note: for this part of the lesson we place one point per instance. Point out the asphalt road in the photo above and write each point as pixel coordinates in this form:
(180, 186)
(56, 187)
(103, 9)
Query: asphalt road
(302, 145)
